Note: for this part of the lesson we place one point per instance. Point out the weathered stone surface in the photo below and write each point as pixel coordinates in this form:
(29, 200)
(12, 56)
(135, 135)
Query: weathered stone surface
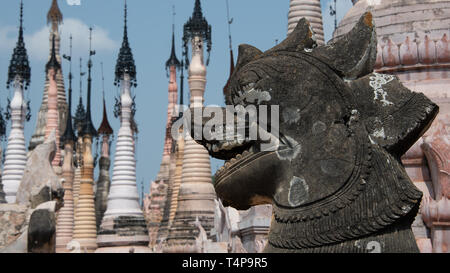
(253, 228)
(42, 232)
(2, 193)
(13, 221)
(101, 194)
(30, 224)
(40, 183)
(333, 170)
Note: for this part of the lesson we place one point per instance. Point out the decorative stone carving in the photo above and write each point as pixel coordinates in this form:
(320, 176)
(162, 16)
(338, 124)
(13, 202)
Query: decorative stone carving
(332, 172)
(40, 183)
(436, 209)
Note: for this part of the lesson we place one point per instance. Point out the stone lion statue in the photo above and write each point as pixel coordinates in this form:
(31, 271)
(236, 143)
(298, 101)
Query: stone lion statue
(335, 178)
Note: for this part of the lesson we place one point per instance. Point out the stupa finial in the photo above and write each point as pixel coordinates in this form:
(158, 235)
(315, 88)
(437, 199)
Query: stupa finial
(196, 26)
(19, 65)
(125, 62)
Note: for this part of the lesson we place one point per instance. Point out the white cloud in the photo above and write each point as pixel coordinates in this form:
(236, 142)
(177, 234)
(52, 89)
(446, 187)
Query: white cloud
(38, 43)
(7, 41)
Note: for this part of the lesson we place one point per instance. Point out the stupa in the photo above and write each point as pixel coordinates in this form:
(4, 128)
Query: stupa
(64, 224)
(80, 116)
(52, 68)
(103, 182)
(15, 157)
(54, 19)
(85, 229)
(160, 187)
(196, 197)
(123, 227)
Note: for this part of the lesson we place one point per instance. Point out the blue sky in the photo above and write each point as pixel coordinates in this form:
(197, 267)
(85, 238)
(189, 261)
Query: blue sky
(256, 22)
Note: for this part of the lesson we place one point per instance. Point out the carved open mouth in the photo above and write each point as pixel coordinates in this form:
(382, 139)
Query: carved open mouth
(239, 154)
(238, 162)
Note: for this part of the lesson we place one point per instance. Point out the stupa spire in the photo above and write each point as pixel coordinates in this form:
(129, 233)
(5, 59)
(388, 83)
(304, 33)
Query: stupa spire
(173, 60)
(103, 183)
(125, 61)
(88, 127)
(53, 62)
(54, 15)
(64, 224)
(52, 118)
(229, 21)
(196, 26)
(85, 229)
(19, 66)
(196, 199)
(69, 134)
(123, 225)
(54, 19)
(80, 112)
(19, 73)
(160, 187)
(105, 127)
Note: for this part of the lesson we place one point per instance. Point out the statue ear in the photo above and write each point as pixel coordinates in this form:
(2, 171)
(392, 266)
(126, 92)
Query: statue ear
(300, 39)
(247, 53)
(353, 55)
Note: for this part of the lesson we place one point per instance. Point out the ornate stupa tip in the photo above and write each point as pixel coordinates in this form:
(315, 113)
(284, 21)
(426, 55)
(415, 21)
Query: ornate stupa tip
(19, 65)
(69, 133)
(197, 26)
(125, 61)
(173, 61)
(54, 15)
(88, 127)
(2, 127)
(105, 128)
(80, 115)
(53, 62)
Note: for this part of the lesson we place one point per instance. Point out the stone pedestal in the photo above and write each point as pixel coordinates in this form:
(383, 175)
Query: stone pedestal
(254, 227)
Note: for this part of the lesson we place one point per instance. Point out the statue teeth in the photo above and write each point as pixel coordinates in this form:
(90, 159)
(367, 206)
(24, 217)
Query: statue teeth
(239, 156)
(233, 160)
(227, 164)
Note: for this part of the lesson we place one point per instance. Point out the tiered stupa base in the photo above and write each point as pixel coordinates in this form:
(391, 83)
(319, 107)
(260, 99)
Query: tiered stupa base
(195, 200)
(184, 233)
(123, 234)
